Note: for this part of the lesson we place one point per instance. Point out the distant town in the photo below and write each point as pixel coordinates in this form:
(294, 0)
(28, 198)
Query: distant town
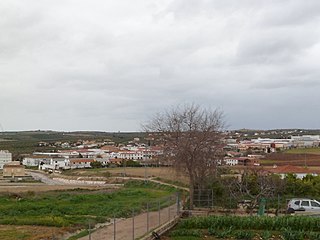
(242, 148)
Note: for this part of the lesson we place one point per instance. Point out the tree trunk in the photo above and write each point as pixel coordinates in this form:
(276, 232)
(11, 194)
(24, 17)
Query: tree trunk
(191, 188)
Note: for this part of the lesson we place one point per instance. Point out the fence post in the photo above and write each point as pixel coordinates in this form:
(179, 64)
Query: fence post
(178, 203)
(114, 227)
(89, 230)
(132, 224)
(212, 198)
(159, 211)
(147, 216)
(278, 209)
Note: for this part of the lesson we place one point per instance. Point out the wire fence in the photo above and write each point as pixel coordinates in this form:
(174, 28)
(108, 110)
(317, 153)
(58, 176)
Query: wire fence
(140, 223)
(208, 199)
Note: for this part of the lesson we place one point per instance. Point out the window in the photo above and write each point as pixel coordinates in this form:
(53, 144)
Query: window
(305, 204)
(297, 202)
(315, 204)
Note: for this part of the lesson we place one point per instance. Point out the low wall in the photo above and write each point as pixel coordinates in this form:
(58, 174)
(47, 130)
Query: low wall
(83, 182)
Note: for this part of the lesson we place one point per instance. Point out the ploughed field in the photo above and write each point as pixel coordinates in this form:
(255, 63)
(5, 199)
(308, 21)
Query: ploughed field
(248, 227)
(26, 215)
(297, 159)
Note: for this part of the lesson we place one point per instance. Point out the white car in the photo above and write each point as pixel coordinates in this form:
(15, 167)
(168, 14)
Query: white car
(303, 204)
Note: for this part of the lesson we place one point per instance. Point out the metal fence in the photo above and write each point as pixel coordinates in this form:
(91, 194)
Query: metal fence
(138, 224)
(208, 199)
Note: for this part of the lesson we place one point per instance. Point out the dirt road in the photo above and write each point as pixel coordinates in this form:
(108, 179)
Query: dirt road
(43, 178)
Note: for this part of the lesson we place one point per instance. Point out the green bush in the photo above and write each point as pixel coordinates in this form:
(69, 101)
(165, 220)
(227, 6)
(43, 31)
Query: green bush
(220, 233)
(266, 235)
(251, 222)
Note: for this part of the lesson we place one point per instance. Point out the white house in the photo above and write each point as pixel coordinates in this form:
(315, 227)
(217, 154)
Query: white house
(55, 164)
(81, 162)
(103, 161)
(5, 157)
(35, 161)
(231, 161)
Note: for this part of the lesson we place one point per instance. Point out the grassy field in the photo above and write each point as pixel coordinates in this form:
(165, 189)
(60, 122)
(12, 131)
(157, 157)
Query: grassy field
(74, 209)
(304, 151)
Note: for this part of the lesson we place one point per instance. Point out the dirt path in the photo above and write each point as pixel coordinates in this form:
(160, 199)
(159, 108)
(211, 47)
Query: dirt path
(133, 228)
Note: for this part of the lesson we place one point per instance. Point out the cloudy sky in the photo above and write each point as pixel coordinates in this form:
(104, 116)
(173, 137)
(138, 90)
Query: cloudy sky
(111, 64)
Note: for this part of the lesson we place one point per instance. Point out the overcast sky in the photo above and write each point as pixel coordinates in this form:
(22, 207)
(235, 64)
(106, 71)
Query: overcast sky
(109, 65)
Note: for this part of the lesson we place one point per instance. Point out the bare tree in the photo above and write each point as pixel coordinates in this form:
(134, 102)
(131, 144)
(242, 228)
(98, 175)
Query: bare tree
(192, 140)
(254, 184)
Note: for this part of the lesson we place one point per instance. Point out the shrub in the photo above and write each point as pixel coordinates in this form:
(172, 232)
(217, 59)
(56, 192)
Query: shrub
(243, 235)
(186, 232)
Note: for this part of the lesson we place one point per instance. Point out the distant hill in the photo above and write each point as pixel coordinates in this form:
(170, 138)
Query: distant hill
(26, 141)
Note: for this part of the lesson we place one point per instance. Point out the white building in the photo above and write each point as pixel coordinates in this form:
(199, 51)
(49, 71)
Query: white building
(133, 155)
(306, 140)
(5, 157)
(55, 164)
(231, 161)
(81, 162)
(31, 162)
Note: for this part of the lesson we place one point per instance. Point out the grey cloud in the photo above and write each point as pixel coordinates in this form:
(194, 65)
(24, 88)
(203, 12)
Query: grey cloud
(294, 12)
(108, 65)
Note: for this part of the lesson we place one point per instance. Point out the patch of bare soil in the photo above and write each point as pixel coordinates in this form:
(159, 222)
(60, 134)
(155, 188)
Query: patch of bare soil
(294, 159)
(9, 232)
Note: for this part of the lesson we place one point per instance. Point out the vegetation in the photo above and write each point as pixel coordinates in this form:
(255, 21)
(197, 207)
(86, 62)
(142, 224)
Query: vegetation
(229, 192)
(96, 164)
(315, 150)
(76, 208)
(236, 227)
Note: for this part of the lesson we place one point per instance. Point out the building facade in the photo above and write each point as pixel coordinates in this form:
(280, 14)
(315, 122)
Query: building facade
(5, 157)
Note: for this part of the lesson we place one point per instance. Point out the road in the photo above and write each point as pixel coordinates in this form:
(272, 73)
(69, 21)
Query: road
(43, 178)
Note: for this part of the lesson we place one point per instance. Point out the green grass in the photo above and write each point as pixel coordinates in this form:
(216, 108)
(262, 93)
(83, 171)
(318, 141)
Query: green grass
(76, 208)
(315, 150)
